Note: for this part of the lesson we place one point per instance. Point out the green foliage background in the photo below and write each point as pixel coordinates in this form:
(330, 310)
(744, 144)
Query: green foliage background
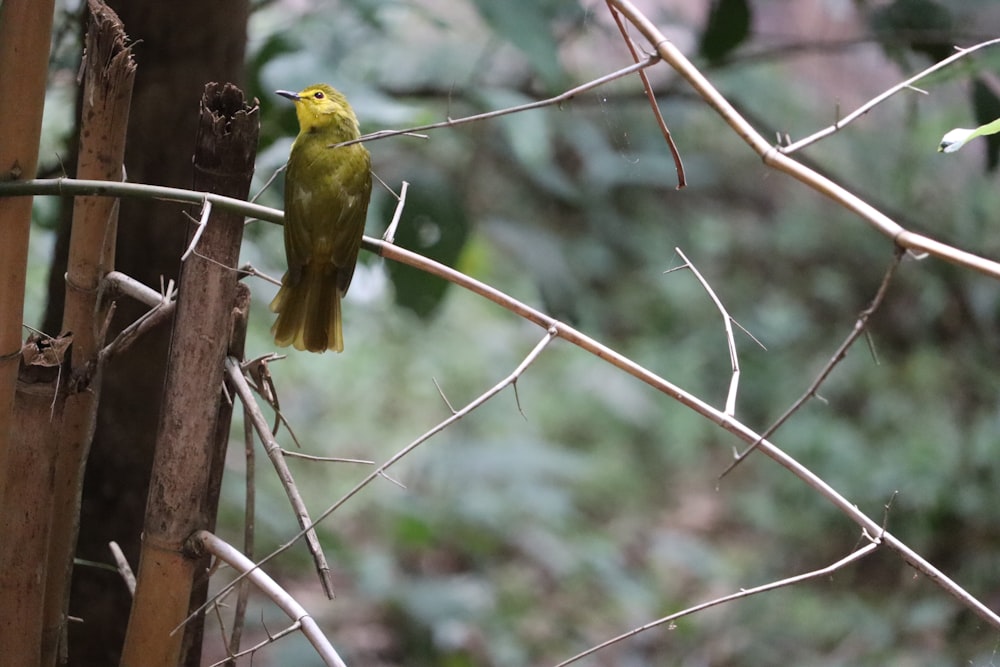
(588, 504)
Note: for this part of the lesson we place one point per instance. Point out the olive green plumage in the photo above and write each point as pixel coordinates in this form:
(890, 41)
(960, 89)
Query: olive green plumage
(326, 200)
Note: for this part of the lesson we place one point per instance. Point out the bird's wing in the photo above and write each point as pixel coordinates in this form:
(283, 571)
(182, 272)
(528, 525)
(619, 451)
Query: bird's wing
(355, 186)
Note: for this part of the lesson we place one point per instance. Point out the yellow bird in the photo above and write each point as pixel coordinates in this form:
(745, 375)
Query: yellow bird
(326, 201)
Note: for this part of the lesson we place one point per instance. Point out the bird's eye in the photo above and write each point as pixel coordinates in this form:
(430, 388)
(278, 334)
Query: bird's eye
(319, 95)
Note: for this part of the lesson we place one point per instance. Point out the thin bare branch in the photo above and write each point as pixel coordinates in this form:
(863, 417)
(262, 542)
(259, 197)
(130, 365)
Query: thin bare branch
(694, 403)
(271, 638)
(324, 459)
(268, 182)
(250, 271)
(249, 531)
(742, 593)
(71, 186)
(886, 226)
(548, 102)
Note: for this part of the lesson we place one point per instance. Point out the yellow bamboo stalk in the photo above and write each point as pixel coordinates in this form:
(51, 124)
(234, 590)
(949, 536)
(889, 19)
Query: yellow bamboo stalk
(25, 28)
(107, 89)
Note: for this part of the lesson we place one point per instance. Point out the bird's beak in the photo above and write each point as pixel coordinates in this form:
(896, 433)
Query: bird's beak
(289, 94)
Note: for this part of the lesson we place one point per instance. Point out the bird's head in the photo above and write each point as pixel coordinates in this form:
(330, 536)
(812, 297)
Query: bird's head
(320, 107)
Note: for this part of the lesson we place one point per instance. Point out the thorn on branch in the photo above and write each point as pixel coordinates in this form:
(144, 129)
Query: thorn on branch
(443, 397)
(517, 400)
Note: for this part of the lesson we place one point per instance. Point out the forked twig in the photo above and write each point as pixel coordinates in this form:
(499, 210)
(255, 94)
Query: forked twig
(219, 548)
(860, 327)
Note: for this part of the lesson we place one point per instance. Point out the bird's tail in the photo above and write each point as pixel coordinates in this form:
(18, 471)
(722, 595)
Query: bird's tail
(309, 311)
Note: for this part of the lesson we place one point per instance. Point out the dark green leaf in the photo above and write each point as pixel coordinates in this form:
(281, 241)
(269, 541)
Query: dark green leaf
(434, 224)
(728, 26)
(986, 106)
(923, 26)
(527, 24)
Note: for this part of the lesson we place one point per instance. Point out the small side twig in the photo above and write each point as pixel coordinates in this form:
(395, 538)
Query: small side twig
(878, 99)
(124, 569)
(443, 396)
(648, 88)
(324, 459)
(727, 321)
(249, 524)
(202, 222)
(258, 371)
(390, 232)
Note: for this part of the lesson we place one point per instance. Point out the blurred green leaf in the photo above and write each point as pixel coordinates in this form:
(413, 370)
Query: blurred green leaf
(923, 26)
(727, 27)
(527, 24)
(434, 224)
(273, 124)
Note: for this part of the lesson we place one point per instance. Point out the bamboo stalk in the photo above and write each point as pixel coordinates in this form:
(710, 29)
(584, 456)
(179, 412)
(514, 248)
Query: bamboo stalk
(107, 91)
(194, 634)
(25, 26)
(25, 29)
(41, 393)
(178, 489)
